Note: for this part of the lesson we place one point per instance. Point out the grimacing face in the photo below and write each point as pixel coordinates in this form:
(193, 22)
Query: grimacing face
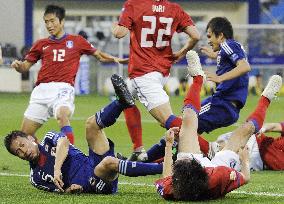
(53, 25)
(213, 40)
(25, 148)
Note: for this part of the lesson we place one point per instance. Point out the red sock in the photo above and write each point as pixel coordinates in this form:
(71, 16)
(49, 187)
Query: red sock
(193, 95)
(258, 116)
(173, 121)
(133, 121)
(204, 145)
(67, 130)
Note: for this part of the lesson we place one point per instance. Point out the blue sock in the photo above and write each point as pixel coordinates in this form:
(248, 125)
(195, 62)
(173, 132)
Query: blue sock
(107, 116)
(157, 151)
(132, 169)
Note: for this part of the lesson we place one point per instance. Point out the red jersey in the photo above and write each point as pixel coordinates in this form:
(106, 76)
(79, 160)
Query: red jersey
(219, 183)
(152, 25)
(271, 151)
(60, 57)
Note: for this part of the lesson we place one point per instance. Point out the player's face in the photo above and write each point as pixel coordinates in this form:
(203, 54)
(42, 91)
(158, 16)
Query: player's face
(25, 148)
(213, 40)
(53, 25)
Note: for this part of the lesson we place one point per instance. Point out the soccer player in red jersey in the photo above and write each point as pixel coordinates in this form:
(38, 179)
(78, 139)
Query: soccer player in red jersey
(194, 177)
(60, 55)
(152, 24)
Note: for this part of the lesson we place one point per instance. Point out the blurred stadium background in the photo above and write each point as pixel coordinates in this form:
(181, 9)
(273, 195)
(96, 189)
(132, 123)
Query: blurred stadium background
(258, 26)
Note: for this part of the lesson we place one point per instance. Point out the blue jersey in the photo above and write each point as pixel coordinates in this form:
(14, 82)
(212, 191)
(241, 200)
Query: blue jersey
(235, 89)
(41, 175)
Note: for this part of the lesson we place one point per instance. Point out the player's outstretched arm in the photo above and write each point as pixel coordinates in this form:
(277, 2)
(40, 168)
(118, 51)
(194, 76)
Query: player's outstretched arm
(60, 156)
(244, 159)
(119, 31)
(242, 68)
(168, 160)
(104, 57)
(271, 127)
(21, 66)
(194, 37)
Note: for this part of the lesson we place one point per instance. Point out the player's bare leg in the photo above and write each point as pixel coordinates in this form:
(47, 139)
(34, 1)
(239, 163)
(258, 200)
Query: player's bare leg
(63, 116)
(30, 127)
(161, 113)
(188, 138)
(255, 121)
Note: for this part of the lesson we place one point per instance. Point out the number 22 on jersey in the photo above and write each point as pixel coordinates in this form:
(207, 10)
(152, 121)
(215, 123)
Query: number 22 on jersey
(152, 30)
(58, 55)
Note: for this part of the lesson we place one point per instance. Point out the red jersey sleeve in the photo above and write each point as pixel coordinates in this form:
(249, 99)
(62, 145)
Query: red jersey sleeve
(220, 183)
(85, 46)
(184, 19)
(126, 17)
(35, 52)
(164, 188)
(282, 126)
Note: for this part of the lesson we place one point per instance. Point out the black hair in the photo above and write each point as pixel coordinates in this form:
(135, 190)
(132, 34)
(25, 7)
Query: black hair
(11, 137)
(190, 180)
(220, 25)
(83, 34)
(57, 10)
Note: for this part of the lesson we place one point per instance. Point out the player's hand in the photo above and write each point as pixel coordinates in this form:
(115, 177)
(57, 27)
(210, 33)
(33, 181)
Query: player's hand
(233, 176)
(17, 64)
(57, 180)
(208, 52)
(74, 188)
(170, 135)
(121, 61)
(177, 56)
(213, 77)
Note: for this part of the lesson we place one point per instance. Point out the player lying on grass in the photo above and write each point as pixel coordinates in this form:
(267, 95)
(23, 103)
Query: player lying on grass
(194, 177)
(56, 165)
(266, 153)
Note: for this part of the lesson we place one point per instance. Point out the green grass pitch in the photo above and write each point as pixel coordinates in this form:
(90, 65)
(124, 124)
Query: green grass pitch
(265, 187)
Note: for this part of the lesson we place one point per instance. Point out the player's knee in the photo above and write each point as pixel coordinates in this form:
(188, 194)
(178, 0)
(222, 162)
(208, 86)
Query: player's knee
(91, 123)
(187, 116)
(248, 128)
(63, 113)
(110, 163)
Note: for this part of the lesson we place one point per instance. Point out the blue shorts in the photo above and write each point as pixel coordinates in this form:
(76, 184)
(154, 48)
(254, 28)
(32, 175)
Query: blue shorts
(91, 183)
(215, 113)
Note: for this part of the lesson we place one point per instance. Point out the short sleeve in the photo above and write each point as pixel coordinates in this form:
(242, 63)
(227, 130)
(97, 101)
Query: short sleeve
(184, 20)
(233, 51)
(234, 184)
(35, 53)
(85, 46)
(164, 188)
(126, 16)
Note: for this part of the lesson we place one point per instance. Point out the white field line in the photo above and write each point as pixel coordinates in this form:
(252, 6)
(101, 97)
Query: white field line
(268, 194)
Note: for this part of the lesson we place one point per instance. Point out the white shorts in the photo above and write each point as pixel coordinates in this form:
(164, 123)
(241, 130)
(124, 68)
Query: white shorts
(227, 158)
(204, 161)
(46, 98)
(150, 89)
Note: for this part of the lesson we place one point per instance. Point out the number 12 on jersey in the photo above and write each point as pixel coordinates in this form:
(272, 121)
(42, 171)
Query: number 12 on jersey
(58, 55)
(152, 30)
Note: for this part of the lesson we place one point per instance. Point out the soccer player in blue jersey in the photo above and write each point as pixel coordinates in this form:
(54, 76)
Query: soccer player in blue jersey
(56, 165)
(223, 107)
